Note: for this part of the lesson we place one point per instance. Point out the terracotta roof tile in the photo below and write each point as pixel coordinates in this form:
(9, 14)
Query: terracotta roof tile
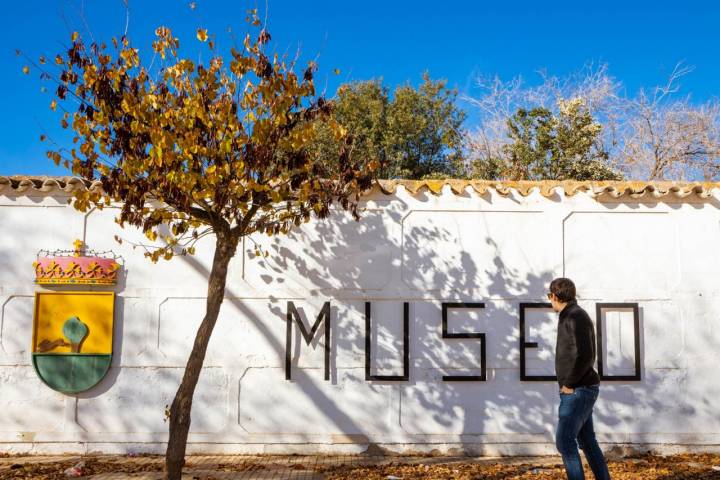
(23, 183)
(547, 188)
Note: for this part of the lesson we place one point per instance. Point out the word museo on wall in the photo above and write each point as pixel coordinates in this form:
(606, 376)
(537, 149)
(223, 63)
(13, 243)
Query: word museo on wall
(324, 318)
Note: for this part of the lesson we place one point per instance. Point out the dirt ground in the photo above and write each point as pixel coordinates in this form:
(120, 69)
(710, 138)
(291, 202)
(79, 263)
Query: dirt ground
(678, 467)
(109, 467)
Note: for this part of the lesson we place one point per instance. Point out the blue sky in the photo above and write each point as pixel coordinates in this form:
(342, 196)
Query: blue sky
(640, 40)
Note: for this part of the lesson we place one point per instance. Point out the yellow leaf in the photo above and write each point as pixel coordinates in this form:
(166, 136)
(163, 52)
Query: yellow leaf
(74, 36)
(53, 105)
(337, 71)
(26, 70)
(202, 34)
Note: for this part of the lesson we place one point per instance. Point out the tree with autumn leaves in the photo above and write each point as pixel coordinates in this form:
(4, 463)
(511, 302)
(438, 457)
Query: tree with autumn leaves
(190, 149)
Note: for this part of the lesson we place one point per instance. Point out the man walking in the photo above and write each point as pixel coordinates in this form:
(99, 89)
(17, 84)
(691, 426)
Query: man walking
(579, 383)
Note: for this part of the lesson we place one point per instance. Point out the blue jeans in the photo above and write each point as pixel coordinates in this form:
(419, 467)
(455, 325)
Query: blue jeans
(575, 426)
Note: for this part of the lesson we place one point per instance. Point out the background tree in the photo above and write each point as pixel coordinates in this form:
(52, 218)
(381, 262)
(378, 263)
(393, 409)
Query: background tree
(562, 147)
(670, 138)
(424, 136)
(501, 105)
(653, 135)
(361, 108)
(415, 134)
(188, 150)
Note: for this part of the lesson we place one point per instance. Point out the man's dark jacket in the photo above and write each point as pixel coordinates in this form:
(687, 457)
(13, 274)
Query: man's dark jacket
(575, 349)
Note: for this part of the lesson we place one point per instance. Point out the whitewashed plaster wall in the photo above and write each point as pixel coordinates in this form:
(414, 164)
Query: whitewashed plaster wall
(423, 249)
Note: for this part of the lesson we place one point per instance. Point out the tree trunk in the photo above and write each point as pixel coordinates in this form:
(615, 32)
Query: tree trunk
(182, 404)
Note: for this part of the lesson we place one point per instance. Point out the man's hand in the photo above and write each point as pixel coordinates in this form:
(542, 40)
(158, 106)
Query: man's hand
(565, 389)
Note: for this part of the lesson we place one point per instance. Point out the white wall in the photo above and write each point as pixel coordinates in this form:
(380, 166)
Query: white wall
(424, 249)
